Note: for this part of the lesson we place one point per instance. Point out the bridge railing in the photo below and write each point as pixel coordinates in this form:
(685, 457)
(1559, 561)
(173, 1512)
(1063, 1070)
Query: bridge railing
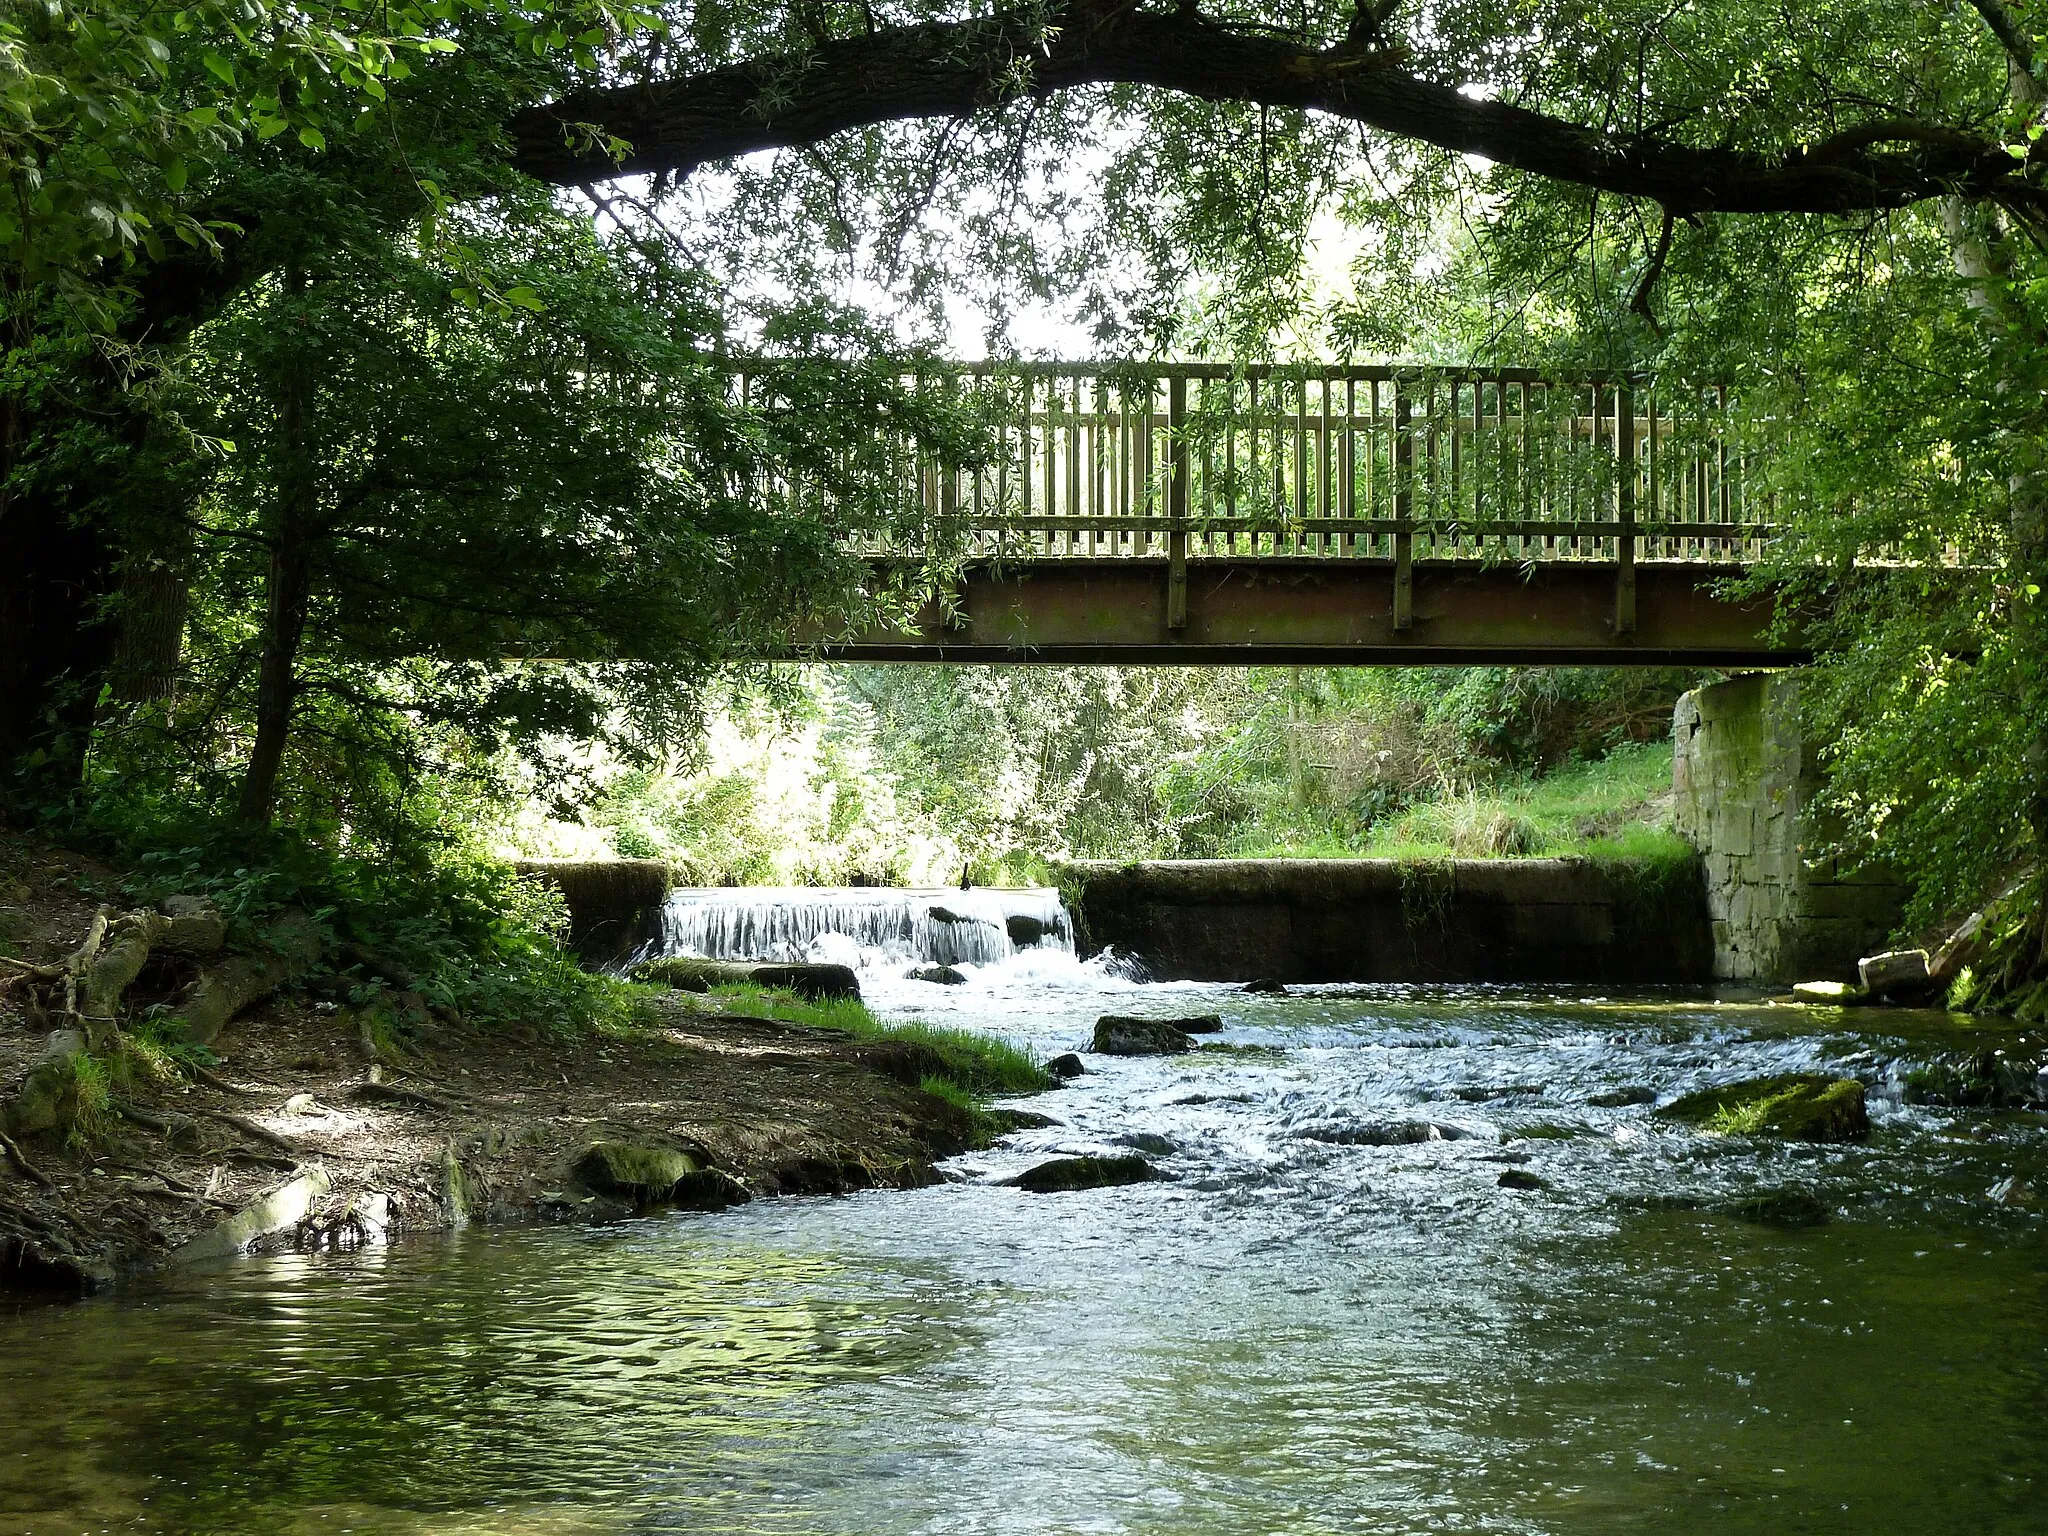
(1186, 462)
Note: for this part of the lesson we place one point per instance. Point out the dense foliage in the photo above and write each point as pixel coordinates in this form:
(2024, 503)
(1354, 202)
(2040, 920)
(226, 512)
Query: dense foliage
(348, 475)
(880, 775)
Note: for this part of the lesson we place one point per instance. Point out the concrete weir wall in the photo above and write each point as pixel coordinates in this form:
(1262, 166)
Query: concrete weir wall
(1744, 779)
(1584, 920)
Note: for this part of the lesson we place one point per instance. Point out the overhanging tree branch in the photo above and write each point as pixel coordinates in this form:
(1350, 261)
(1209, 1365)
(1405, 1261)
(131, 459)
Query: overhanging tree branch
(962, 67)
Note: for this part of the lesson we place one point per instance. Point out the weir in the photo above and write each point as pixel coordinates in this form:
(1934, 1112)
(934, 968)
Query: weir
(980, 926)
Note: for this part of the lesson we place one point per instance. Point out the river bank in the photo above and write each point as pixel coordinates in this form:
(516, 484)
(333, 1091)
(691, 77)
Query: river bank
(302, 1128)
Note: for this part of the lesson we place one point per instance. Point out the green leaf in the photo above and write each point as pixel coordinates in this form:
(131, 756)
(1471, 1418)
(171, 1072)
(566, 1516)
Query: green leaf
(525, 298)
(219, 67)
(175, 173)
(312, 137)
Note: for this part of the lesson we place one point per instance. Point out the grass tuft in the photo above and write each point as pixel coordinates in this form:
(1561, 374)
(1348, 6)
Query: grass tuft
(979, 1066)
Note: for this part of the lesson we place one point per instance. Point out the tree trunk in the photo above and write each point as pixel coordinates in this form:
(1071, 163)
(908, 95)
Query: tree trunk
(54, 570)
(155, 594)
(288, 590)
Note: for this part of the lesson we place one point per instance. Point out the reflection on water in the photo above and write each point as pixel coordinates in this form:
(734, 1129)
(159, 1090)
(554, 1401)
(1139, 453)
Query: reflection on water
(1299, 1334)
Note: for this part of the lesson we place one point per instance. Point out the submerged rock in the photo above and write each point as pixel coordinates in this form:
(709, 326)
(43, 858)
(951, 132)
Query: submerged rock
(1383, 1133)
(1065, 1066)
(1990, 1079)
(1116, 1035)
(1622, 1098)
(1198, 1024)
(1001, 1122)
(942, 975)
(1071, 1173)
(1782, 1208)
(1486, 1094)
(1147, 1141)
(1803, 1106)
(1831, 994)
(1520, 1178)
(1265, 985)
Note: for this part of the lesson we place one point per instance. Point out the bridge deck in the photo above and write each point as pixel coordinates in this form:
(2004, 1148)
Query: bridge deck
(1203, 513)
(1298, 611)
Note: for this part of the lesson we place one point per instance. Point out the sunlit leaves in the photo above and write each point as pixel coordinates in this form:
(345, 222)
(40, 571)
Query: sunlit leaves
(115, 114)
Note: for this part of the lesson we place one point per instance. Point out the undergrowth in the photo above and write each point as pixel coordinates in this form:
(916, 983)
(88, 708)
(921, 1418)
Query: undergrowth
(1612, 808)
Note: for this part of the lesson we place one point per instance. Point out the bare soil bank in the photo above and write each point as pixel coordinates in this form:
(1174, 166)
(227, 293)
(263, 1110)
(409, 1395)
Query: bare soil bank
(470, 1126)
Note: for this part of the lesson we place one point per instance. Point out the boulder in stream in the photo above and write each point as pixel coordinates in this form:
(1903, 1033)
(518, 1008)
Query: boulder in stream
(1024, 929)
(1383, 1133)
(1521, 1178)
(1070, 1173)
(1265, 985)
(1119, 1035)
(1622, 1098)
(1782, 1208)
(646, 1171)
(1897, 976)
(1829, 994)
(1065, 1066)
(940, 975)
(1147, 1141)
(1002, 1122)
(1802, 1106)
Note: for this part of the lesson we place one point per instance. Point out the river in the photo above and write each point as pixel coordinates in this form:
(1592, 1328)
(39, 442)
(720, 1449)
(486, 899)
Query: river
(1314, 1326)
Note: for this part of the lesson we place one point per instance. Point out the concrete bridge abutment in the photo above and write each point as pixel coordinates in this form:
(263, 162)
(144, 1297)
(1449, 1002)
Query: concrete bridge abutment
(1745, 777)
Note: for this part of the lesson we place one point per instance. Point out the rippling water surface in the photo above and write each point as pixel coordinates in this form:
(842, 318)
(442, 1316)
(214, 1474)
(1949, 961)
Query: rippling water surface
(1303, 1332)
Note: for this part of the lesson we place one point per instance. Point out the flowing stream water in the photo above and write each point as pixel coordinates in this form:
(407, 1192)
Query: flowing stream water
(1330, 1319)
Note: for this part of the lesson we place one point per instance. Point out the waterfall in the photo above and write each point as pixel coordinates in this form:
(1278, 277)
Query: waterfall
(981, 926)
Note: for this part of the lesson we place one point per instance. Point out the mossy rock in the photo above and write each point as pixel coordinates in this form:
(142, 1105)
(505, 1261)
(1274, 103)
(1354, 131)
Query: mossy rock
(1070, 1173)
(1801, 1106)
(1782, 1208)
(1119, 1035)
(1623, 1098)
(641, 1171)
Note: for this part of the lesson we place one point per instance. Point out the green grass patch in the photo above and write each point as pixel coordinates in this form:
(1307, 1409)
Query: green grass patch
(979, 1066)
(1609, 808)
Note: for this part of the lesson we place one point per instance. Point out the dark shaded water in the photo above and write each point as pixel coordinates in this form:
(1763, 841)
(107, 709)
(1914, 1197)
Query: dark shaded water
(1297, 1335)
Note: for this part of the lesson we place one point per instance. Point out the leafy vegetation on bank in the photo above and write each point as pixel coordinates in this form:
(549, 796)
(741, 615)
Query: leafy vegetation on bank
(968, 1062)
(893, 775)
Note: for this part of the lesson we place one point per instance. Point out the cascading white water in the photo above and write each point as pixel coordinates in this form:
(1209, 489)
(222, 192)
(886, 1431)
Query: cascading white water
(981, 926)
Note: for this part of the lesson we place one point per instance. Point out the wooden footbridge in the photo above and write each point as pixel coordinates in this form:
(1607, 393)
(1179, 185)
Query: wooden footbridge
(1367, 515)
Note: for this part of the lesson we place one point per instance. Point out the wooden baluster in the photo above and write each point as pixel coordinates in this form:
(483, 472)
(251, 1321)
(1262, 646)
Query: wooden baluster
(1347, 470)
(1625, 508)
(1177, 503)
(1404, 481)
(1301, 544)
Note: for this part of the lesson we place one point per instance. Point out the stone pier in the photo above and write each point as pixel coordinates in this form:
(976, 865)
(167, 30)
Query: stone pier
(1744, 778)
